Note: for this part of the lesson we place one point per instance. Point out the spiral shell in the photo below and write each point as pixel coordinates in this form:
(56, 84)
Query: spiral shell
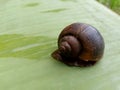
(79, 44)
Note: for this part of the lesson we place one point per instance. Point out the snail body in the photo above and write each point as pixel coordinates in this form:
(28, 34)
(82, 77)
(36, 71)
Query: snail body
(79, 44)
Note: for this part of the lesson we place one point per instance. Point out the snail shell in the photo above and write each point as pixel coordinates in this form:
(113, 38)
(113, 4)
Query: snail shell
(79, 44)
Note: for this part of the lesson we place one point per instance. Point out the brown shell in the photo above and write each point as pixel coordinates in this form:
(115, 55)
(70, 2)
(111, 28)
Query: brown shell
(90, 39)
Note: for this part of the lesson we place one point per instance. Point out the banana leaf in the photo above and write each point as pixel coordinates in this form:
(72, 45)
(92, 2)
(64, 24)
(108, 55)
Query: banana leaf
(28, 35)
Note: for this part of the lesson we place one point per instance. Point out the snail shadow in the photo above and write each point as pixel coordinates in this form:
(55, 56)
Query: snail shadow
(82, 66)
(30, 47)
(72, 62)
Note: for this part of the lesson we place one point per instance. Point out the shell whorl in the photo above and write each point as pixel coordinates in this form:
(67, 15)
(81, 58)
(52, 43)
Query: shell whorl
(69, 46)
(87, 44)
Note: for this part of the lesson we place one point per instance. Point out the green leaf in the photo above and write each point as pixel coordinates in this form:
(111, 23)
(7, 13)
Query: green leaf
(28, 35)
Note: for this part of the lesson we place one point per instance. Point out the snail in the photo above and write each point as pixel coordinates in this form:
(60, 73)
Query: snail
(79, 44)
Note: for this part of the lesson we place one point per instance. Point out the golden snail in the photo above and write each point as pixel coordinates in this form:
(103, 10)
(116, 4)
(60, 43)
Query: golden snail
(79, 44)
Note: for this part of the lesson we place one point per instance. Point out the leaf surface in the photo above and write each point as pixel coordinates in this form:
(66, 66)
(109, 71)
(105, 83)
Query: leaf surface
(28, 35)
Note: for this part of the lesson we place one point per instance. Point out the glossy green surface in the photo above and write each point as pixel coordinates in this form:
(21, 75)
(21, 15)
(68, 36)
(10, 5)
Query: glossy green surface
(28, 35)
